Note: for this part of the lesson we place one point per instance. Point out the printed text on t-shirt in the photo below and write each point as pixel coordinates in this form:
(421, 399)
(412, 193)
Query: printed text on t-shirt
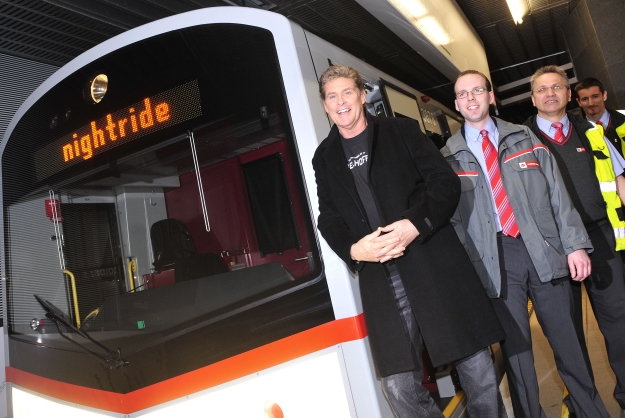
(357, 161)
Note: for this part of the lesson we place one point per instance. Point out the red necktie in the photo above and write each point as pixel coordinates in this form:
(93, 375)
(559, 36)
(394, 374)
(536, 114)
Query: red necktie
(601, 124)
(559, 136)
(506, 216)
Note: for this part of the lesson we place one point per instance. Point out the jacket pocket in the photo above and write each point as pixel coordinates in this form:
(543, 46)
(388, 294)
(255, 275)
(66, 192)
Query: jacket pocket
(468, 174)
(549, 229)
(546, 223)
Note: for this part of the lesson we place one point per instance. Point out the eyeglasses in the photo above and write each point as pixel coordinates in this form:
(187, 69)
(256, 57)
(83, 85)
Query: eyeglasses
(476, 92)
(544, 89)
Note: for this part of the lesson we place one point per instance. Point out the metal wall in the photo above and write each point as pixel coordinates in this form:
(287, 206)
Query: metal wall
(18, 79)
(594, 34)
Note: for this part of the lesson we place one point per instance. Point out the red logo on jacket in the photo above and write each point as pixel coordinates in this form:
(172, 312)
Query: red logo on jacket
(529, 164)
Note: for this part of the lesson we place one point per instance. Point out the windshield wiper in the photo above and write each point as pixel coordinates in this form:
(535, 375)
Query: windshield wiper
(113, 358)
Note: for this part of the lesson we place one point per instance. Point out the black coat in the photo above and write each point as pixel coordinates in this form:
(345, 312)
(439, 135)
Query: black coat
(411, 180)
(618, 119)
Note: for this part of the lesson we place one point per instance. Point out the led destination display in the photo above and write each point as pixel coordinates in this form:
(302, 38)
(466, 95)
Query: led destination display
(151, 114)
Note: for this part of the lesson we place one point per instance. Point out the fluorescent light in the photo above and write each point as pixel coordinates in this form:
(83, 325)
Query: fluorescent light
(416, 12)
(518, 9)
(433, 30)
(412, 9)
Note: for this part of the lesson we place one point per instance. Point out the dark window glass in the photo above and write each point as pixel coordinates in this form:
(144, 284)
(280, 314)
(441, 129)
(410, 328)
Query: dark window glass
(168, 236)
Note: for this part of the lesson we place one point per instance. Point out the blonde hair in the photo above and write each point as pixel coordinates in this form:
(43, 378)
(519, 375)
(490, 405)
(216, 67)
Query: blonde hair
(339, 71)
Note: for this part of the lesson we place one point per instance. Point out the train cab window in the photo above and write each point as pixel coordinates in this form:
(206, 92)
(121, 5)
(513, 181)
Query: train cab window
(178, 232)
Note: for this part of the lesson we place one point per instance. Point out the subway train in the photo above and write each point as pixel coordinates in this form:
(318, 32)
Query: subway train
(159, 250)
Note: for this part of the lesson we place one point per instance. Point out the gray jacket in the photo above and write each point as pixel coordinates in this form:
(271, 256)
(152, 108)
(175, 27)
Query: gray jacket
(550, 226)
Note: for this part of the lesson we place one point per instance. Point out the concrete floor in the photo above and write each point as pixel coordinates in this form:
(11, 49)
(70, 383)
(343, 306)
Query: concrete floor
(551, 386)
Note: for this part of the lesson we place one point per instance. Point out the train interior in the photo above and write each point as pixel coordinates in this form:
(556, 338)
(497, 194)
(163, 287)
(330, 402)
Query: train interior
(199, 227)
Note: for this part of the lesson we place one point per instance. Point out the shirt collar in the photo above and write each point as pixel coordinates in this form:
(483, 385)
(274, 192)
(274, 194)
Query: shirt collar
(605, 118)
(473, 134)
(545, 126)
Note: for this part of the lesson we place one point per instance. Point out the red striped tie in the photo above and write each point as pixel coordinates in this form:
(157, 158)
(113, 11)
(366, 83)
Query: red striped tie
(559, 135)
(506, 216)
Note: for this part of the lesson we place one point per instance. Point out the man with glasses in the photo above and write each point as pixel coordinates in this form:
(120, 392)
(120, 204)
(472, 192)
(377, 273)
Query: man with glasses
(385, 199)
(592, 171)
(519, 227)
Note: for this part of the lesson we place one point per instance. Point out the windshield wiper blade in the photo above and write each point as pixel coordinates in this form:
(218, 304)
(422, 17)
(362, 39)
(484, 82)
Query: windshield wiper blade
(113, 358)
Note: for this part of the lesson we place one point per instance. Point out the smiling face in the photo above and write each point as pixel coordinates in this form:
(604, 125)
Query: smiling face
(474, 108)
(592, 101)
(551, 103)
(344, 103)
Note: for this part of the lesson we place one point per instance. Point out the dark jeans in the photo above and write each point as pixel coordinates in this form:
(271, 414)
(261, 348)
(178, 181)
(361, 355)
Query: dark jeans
(406, 394)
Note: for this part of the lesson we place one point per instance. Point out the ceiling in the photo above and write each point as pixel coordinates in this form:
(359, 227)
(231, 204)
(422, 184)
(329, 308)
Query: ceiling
(56, 31)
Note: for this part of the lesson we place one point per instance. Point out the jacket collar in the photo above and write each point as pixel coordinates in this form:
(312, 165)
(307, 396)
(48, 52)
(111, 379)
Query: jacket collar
(506, 129)
(458, 142)
(617, 117)
(581, 125)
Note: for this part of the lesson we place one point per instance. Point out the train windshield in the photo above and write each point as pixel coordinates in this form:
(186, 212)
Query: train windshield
(137, 234)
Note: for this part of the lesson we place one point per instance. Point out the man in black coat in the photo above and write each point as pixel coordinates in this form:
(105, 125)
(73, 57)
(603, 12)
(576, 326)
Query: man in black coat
(385, 199)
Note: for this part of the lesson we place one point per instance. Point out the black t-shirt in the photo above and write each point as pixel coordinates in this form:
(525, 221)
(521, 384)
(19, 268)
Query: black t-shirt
(357, 153)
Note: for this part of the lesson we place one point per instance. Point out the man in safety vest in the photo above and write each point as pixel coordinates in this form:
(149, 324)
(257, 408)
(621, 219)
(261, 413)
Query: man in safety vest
(591, 97)
(592, 171)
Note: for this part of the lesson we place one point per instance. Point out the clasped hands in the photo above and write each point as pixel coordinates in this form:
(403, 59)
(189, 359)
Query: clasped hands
(385, 243)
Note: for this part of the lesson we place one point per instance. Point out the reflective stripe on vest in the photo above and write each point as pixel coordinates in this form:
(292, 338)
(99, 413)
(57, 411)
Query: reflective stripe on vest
(607, 181)
(609, 186)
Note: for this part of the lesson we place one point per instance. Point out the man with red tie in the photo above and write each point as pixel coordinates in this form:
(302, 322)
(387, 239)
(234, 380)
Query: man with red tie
(525, 238)
(592, 171)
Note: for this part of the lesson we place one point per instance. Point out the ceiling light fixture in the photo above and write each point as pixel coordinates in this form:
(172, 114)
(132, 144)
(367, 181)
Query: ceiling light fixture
(434, 30)
(518, 9)
(411, 9)
(416, 12)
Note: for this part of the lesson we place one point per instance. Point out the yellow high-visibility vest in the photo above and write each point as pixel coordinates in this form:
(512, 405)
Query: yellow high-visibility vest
(607, 181)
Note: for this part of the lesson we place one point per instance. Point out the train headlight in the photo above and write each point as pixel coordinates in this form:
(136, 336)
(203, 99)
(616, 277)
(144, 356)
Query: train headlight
(97, 87)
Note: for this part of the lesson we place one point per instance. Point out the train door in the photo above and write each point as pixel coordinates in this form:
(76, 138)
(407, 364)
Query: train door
(92, 253)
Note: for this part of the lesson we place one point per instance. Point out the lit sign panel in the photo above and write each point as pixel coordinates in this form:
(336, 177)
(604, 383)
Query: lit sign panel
(150, 115)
